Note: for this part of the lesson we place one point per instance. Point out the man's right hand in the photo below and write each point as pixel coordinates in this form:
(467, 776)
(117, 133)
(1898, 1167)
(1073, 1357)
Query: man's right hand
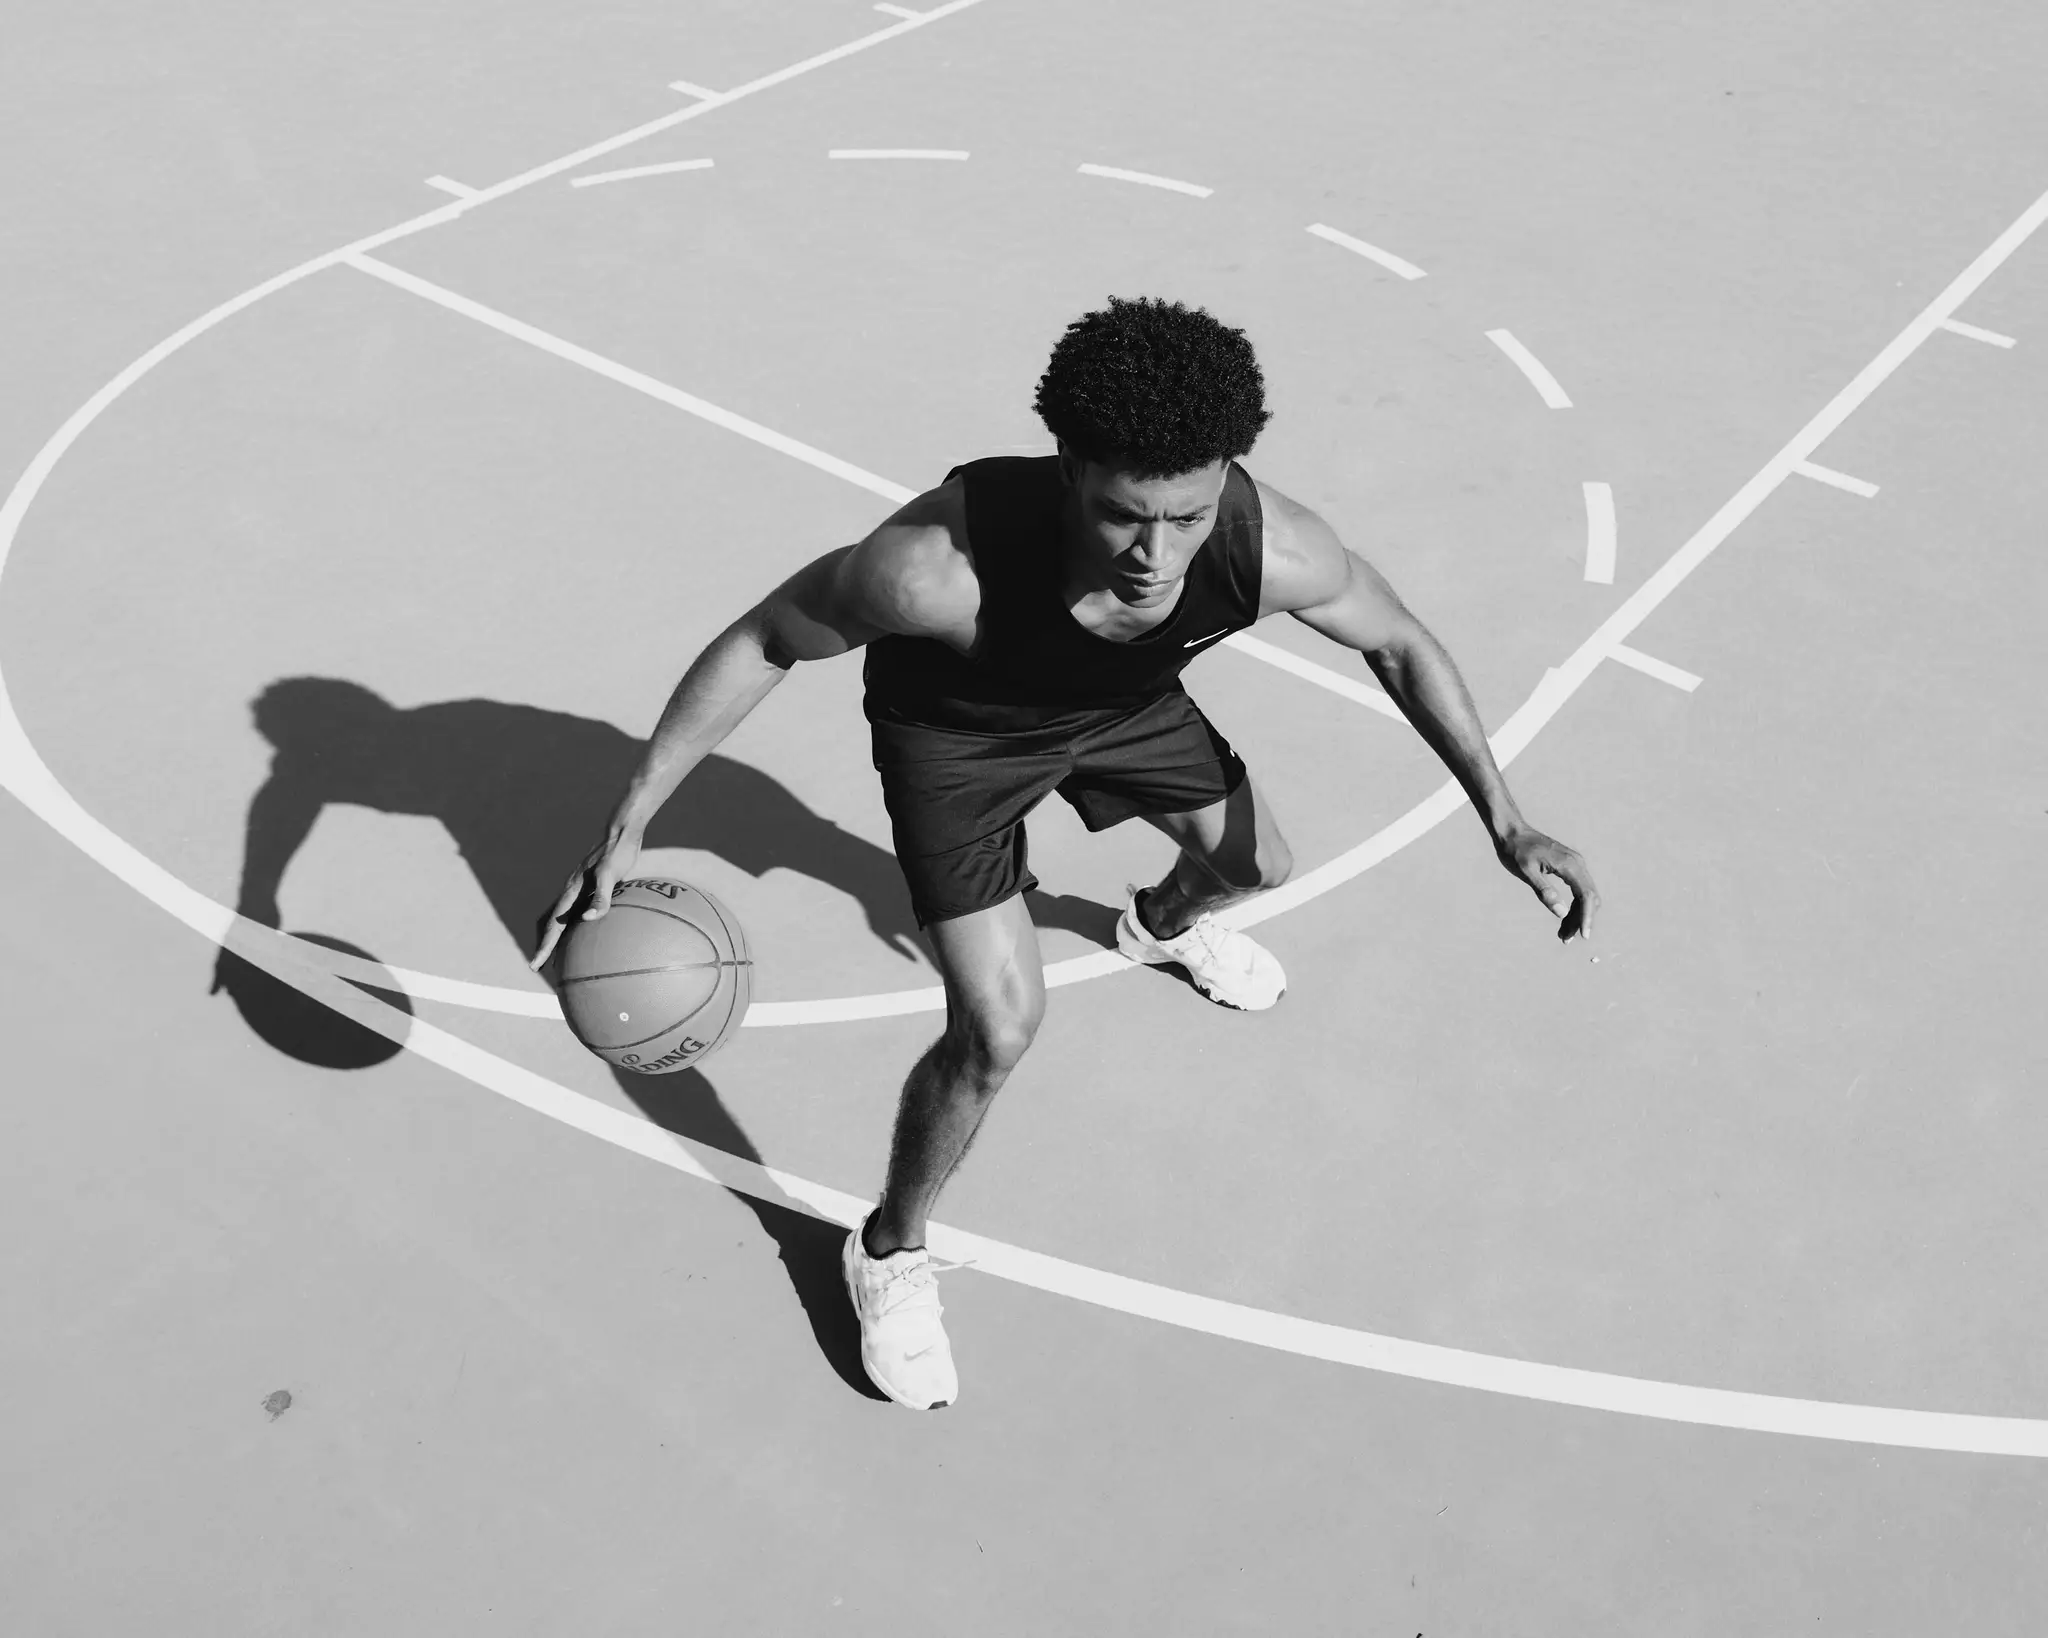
(589, 885)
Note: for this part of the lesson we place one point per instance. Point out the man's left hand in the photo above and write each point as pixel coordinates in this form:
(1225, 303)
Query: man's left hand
(1558, 876)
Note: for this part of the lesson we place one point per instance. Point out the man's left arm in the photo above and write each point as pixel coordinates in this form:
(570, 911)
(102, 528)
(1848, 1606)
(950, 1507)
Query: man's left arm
(1310, 574)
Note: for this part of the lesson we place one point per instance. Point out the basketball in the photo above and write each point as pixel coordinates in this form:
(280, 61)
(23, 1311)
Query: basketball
(660, 981)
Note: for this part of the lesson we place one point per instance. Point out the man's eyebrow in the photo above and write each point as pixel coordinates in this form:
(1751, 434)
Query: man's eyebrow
(1172, 517)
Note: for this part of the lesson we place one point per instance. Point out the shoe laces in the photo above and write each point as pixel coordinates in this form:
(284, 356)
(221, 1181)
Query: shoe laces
(1216, 943)
(915, 1285)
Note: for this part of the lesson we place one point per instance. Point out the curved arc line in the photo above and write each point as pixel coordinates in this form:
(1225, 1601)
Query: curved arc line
(279, 955)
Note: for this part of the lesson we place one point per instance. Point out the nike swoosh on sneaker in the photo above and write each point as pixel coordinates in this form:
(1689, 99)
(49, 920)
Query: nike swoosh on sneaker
(1197, 643)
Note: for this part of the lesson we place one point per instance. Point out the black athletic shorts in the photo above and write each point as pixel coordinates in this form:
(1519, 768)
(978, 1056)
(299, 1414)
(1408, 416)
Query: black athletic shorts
(957, 799)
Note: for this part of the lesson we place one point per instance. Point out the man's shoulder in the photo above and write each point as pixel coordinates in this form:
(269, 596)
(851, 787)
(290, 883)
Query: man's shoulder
(916, 569)
(1303, 559)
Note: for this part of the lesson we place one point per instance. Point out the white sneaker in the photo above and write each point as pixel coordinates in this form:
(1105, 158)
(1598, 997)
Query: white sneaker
(902, 1343)
(1227, 966)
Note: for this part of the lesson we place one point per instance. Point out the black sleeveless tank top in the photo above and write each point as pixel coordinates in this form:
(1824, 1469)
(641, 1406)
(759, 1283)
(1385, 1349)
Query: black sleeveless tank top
(1033, 662)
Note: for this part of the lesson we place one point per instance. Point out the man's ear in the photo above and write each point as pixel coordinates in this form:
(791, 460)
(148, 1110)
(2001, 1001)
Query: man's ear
(1071, 465)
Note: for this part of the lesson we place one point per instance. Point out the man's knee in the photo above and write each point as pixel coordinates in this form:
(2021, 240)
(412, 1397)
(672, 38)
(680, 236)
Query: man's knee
(994, 1038)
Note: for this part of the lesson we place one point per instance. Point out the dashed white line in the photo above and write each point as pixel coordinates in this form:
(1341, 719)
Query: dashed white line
(1530, 365)
(672, 166)
(1839, 480)
(1599, 533)
(896, 153)
(1149, 180)
(1661, 670)
(448, 184)
(699, 91)
(1372, 253)
(1958, 327)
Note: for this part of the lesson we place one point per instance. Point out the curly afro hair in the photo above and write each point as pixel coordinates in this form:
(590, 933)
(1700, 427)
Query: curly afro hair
(1154, 386)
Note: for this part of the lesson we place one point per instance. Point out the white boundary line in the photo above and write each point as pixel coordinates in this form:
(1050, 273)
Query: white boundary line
(1959, 328)
(630, 174)
(1149, 180)
(1530, 365)
(896, 153)
(448, 184)
(896, 11)
(1372, 253)
(1835, 480)
(690, 90)
(24, 773)
(1663, 671)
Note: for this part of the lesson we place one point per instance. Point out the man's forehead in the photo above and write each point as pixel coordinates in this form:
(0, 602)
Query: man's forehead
(1183, 492)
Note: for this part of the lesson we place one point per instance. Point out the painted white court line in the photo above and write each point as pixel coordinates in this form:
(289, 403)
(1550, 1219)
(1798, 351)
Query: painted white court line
(1191, 1311)
(690, 90)
(1336, 682)
(1559, 685)
(448, 184)
(630, 174)
(1959, 328)
(1661, 670)
(639, 381)
(1599, 533)
(1147, 179)
(626, 376)
(896, 153)
(1838, 480)
(897, 11)
(1372, 253)
(1530, 365)
(654, 127)
(23, 772)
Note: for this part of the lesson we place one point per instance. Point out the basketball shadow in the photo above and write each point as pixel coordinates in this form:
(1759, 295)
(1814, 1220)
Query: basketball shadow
(687, 1104)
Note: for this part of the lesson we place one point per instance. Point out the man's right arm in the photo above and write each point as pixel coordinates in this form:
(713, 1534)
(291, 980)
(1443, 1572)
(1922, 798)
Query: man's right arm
(903, 578)
(910, 576)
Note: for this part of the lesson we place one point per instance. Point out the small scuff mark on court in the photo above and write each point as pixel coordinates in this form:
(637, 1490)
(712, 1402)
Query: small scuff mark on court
(278, 1403)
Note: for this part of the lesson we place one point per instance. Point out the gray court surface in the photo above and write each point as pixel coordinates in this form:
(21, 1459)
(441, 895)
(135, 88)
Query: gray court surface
(445, 379)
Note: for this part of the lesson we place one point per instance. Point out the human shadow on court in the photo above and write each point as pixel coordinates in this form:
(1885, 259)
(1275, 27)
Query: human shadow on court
(524, 793)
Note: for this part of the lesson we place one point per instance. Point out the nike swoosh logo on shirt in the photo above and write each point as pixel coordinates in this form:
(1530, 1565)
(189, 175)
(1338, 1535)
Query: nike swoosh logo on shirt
(1197, 643)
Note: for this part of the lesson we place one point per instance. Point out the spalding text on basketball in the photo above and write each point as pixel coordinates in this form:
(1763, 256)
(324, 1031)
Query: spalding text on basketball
(690, 1047)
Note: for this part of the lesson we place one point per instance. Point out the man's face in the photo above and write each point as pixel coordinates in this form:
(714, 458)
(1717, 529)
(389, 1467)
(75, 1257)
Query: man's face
(1136, 536)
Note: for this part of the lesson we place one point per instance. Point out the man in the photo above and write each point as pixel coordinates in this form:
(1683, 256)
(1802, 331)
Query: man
(1026, 625)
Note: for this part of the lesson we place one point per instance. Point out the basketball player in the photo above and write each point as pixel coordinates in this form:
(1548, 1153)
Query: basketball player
(1026, 623)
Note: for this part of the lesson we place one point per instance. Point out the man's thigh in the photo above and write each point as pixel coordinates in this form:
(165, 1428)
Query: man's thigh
(1163, 758)
(957, 804)
(990, 964)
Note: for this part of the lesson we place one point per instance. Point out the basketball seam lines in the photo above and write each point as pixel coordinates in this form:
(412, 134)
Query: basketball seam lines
(736, 939)
(641, 972)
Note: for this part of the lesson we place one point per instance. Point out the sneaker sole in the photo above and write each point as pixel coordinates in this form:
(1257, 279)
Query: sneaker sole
(867, 1364)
